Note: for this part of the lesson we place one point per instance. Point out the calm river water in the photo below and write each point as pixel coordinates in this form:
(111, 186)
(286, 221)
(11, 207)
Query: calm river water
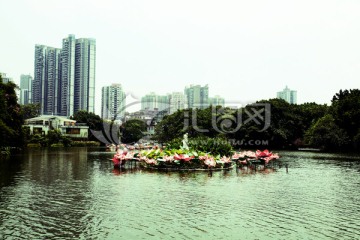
(76, 194)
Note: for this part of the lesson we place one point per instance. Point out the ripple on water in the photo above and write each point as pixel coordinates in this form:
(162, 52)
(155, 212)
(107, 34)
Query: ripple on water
(80, 197)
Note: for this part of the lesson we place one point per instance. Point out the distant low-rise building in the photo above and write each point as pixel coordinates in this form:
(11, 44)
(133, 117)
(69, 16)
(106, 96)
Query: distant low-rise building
(5, 79)
(150, 117)
(153, 102)
(217, 101)
(43, 124)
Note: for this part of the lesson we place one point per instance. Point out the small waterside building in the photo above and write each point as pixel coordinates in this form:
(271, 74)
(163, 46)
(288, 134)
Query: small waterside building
(42, 125)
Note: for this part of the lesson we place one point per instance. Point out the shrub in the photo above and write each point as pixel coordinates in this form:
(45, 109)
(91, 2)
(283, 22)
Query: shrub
(215, 146)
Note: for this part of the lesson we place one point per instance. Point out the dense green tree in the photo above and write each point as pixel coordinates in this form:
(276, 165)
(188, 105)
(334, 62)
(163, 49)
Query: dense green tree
(92, 120)
(325, 134)
(345, 109)
(30, 110)
(10, 116)
(310, 113)
(170, 127)
(284, 124)
(289, 123)
(356, 141)
(133, 130)
(209, 122)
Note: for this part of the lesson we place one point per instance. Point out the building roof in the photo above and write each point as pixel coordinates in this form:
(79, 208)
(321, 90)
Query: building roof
(48, 117)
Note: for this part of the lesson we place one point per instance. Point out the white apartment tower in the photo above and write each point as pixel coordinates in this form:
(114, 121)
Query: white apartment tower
(113, 102)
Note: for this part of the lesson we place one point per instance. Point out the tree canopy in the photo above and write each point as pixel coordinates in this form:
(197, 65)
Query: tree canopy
(92, 120)
(132, 130)
(332, 127)
(345, 109)
(325, 134)
(11, 118)
(30, 110)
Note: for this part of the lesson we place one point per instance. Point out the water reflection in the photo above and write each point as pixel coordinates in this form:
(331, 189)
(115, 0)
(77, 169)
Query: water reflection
(76, 193)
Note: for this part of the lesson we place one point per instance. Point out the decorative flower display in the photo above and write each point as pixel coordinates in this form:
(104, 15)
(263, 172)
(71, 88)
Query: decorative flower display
(181, 159)
(248, 157)
(187, 159)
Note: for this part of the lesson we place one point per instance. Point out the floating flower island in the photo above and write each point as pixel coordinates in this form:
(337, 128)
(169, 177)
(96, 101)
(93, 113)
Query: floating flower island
(257, 157)
(184, 159)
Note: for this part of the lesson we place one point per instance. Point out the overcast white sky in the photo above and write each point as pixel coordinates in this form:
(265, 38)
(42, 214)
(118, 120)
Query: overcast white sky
(245, 50)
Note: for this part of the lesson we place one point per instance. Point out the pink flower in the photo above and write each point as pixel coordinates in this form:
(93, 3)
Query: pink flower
(266, 155)
(183, 157)
(237, 156)
(168, 158)
(129, 155)
(150, 161)
(267, 159)
(143, 158)
(225, 159)
(119, 156)
(210, 162)
(249, 154)
(261, 154)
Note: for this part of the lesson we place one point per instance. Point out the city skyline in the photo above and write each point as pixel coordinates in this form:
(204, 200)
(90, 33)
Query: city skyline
(244, 51)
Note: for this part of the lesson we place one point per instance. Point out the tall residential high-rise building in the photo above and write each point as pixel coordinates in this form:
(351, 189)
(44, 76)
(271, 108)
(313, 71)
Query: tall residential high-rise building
(84, 95)
(67, 85)
(152, 102)
(217, 101)
(288, 95)
(197, 96)
(46, 79)
(64, 79)
(25, 89)
(113, 102)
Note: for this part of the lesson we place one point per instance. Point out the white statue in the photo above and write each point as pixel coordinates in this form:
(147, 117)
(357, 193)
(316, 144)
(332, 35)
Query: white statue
(185, 142)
